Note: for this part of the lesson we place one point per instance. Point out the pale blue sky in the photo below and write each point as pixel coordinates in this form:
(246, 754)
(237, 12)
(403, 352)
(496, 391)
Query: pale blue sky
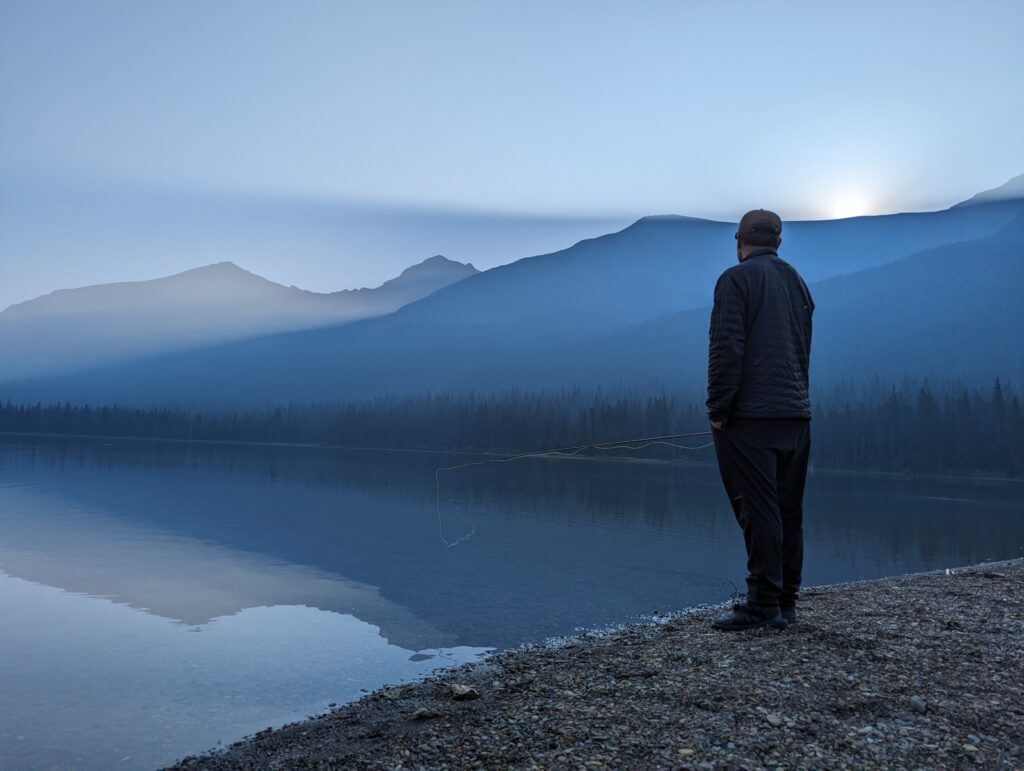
(521, 109)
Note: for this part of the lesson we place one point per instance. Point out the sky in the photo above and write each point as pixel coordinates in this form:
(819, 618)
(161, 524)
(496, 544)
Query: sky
(486, 131)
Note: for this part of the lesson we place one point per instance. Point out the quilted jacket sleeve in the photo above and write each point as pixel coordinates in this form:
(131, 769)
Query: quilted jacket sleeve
(810, 304)
(727, 344)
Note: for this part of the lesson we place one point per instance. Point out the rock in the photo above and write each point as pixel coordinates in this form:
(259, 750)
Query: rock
(393, 693)
(918, 704)
(774, 720)
(425, 713)
(970, 748)
(464, 692)
(686, 752)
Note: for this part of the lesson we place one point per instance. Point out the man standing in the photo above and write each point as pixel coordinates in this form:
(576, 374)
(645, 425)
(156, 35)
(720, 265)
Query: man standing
(759, 408)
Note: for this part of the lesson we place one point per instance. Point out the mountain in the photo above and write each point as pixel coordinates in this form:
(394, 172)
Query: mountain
(79, 328)
(630, 307)
(662, 264)
(950, 312)
(177, 577)
(1014, 189)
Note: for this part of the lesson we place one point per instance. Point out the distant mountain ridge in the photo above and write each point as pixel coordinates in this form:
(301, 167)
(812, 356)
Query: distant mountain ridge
(1013, 189)
(90, 326)
(631, 307)
(949, 312)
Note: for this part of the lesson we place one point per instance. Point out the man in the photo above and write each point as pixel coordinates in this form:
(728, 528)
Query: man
(758, 405)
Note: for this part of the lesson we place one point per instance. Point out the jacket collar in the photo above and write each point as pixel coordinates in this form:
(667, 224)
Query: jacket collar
(762, 251)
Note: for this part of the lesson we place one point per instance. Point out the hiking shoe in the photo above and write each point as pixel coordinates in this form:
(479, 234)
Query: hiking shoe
(790, 615)
(743, 616)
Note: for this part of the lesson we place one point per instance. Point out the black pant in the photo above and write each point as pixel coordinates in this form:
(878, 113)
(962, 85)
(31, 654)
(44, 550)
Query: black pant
(763, 462)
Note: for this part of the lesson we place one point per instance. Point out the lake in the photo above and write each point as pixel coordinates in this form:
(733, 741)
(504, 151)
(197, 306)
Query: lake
(160, 598)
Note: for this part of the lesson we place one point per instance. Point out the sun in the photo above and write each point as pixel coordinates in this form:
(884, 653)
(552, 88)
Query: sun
(849, 206)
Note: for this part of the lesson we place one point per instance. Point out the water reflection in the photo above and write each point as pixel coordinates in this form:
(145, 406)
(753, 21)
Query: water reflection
(178, 577)
(547, 532)
(328, 568)
(89, 683)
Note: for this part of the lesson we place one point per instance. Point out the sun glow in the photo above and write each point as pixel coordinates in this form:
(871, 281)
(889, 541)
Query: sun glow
(849, 206)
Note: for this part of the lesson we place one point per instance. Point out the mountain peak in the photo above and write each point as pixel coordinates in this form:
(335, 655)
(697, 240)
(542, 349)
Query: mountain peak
(667, 218)
(225, 265)
(439, 263)
(218, 276)
(223, 269)
(1013, 188)
(661, 222)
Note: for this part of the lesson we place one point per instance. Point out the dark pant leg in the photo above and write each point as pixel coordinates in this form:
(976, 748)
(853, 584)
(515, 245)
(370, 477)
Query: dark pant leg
(792, 475)
(748, 462)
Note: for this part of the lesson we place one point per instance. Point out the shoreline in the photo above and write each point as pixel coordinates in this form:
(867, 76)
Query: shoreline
(920, 670)
(491, 453)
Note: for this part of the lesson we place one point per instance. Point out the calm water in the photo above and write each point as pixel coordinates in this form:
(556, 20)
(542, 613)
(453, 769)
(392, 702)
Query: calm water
(156, 598)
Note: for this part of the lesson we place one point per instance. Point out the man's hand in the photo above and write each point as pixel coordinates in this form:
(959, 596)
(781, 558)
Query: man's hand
(716, 424)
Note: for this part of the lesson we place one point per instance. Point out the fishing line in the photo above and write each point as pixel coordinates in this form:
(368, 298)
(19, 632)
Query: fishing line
(558, 452)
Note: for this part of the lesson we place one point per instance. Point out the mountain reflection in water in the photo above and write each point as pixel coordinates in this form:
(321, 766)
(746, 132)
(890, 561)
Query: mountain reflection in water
(312, 573)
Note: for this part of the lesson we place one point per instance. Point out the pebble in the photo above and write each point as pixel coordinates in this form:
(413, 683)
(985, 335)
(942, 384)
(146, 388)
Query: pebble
(918, 704)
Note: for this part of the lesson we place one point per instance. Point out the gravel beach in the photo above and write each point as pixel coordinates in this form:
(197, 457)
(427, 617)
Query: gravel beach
(921, 671)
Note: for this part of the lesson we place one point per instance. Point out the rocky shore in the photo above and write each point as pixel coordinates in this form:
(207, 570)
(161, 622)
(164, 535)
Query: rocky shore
(921, 671)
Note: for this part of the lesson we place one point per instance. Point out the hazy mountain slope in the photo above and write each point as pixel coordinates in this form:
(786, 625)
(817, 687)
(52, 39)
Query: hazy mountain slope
(77, 328)
(571, 318)
(952, 311)
(948, 312)
(413, 283)
(662, 264)
(1013, 189)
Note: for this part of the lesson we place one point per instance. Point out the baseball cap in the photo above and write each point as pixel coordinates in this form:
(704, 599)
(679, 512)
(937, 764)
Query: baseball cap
(760, 227)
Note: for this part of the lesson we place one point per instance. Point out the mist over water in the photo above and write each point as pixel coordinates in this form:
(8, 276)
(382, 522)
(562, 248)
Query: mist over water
(161, 597)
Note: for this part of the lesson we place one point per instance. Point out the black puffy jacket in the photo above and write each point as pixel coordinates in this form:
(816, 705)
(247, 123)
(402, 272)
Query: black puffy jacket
(760, 341)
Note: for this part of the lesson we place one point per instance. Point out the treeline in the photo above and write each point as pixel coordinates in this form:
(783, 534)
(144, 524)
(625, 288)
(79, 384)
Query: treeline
(911, 428)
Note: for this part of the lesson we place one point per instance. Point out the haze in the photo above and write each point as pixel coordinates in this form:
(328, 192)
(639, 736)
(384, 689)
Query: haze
(378, 134)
